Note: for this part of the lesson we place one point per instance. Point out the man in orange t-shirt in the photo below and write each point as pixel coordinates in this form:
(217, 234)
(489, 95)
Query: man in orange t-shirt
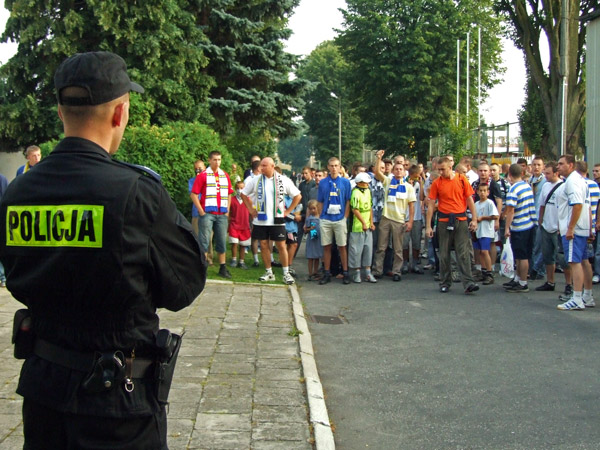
(453, 194)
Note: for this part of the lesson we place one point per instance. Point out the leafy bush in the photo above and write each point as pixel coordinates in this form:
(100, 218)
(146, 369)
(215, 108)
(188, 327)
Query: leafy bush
(171, 150)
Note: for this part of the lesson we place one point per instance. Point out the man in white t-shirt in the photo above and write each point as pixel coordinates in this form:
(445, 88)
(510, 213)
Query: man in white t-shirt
(548, 221)
(264, 197)
(574, 223)
(471, 175)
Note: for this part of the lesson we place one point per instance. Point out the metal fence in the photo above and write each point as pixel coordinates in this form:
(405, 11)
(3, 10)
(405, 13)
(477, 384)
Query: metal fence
(495, 142)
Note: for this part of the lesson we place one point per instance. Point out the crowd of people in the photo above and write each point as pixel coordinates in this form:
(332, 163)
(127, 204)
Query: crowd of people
(380, 220)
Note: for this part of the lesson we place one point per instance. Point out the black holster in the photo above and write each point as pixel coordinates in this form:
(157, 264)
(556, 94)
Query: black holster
(107, 372)
(23, 336)
(168, 345)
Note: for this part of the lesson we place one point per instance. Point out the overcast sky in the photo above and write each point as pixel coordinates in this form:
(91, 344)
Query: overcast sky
(313, 22)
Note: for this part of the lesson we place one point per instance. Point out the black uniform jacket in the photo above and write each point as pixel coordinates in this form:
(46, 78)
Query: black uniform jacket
(93, 247)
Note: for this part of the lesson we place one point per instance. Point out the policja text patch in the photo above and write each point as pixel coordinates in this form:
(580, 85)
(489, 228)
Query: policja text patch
(54, 226)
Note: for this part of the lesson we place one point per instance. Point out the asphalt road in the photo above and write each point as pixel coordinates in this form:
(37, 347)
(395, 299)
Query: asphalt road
(411, 368)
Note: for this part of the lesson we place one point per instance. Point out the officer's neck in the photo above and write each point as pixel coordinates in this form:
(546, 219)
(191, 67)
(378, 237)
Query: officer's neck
(102, 137)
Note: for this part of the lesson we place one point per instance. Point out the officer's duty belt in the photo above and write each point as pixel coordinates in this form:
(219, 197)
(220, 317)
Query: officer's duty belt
(84, 362)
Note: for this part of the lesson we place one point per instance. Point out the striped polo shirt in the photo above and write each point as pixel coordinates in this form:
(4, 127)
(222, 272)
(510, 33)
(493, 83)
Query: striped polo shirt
(520, 197)
(594, 197)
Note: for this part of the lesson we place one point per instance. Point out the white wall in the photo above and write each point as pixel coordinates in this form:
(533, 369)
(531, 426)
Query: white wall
(9, 163)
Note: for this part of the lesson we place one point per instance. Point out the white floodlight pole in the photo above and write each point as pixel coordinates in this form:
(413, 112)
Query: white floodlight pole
(339, 126)
(479, 77)
(468, 73)
(457, 80)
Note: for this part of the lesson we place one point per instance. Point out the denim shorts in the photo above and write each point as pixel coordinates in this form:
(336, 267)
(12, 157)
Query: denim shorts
(217, 224)
(549, 247)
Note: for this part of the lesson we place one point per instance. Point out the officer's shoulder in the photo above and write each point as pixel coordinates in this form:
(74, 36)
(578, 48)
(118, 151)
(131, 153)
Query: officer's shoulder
(141, 170)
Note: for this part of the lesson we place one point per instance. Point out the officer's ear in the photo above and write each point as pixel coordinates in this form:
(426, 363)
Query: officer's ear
(118, 114)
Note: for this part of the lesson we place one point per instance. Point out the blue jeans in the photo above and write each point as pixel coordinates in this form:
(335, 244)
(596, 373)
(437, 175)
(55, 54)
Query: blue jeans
(218, 225)
(537, 258)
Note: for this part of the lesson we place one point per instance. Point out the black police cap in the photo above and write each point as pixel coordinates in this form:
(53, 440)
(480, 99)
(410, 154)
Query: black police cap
(102, 74)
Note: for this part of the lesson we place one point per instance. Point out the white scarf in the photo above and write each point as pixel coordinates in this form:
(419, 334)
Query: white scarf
(213, 182)
(278, 200)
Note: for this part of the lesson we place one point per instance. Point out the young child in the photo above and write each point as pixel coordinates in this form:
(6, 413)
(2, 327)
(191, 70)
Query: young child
(314, 250)
(239, 228)
(360, 240)
(487, 217)
(291, 230)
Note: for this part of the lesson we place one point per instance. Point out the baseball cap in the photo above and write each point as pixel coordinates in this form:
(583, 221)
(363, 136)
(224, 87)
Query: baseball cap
(102, 74)
(362, 177)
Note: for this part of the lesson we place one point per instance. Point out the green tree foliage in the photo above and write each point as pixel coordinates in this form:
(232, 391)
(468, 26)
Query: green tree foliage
(244, 145)
(326, 68)
(296, 150)
(252, 88)
(531, 22)
(534, 130)
(171, 151)
(402, 58)
(158, 40)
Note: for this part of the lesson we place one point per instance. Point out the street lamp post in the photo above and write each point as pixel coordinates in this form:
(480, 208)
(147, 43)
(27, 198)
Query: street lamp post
(339, 126)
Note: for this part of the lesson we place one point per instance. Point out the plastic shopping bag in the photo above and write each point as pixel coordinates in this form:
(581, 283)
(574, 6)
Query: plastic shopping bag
(507, 262)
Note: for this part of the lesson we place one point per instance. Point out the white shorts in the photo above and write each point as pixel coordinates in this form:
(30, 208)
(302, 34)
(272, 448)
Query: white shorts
(234, 240)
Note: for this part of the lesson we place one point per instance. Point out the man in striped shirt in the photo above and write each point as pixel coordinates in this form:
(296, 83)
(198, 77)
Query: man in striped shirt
(521, 225)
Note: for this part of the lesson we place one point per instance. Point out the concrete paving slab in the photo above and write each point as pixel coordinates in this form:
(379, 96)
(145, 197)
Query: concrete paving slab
(238, 382)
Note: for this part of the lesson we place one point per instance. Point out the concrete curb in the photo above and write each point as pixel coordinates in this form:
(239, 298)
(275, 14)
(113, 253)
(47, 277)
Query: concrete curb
(316, 401)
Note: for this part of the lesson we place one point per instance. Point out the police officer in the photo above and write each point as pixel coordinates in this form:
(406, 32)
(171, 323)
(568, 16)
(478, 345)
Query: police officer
(93, 247)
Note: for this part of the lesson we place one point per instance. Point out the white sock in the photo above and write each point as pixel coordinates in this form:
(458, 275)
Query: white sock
(517, 278)
(477, 266)
(234, 259)
(577, 297)
(587, 294)
(285, 270)
(255, 257)
(523, 283)
(269, 270)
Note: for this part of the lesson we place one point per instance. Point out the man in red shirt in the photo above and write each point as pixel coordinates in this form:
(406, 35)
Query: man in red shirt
(214, 187)
(453, 194)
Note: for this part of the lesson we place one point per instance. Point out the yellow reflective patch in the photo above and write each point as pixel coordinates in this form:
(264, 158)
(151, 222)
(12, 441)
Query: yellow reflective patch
(54, 226)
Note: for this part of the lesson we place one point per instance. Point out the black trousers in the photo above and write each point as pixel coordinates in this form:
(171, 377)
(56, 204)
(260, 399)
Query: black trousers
(45, 428)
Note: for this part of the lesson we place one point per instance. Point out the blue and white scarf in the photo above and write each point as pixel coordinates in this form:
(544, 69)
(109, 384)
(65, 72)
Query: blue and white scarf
(396, 190)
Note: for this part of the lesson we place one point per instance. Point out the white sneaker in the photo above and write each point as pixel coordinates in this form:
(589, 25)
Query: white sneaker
(596, 279)
(233, 263)
(370, 278)
(590, 303)
(288, 278)
(268, 276)
(571, 305)
(356, 277)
